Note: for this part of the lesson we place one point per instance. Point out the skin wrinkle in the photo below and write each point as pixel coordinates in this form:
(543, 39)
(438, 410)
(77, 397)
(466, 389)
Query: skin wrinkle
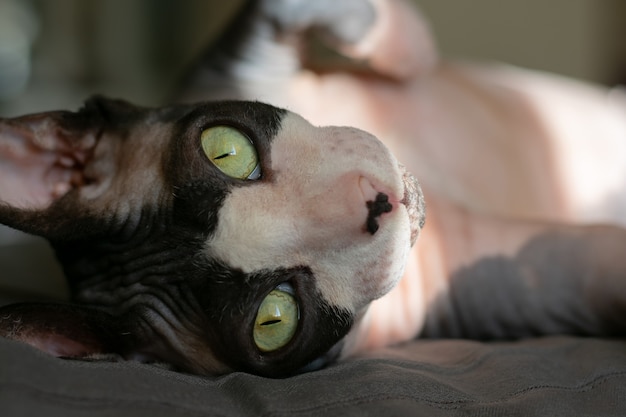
(136, 262)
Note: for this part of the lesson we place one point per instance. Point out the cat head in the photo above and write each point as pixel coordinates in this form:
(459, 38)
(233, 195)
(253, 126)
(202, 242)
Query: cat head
(215, 237)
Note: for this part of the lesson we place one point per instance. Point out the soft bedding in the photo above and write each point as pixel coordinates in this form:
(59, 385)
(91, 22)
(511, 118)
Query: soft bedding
(555, 376)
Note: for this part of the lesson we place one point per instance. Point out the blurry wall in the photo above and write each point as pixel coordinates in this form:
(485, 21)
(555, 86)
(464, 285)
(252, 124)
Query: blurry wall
(136, 48)
(133, 49)
(578, 38)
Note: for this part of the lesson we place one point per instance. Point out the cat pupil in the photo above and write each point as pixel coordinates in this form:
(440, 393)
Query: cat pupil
(225, 155)
(270, 322)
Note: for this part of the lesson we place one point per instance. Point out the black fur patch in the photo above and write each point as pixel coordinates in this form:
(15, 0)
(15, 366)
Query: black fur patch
(230, 299)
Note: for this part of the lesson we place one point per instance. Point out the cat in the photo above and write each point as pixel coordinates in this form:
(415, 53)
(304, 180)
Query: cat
(230, 236)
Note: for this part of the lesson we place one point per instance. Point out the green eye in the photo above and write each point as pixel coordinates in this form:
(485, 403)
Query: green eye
(277, 319)
(231, 152)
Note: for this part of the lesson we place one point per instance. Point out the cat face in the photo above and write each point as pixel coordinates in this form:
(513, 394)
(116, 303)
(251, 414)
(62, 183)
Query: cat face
(215, 237)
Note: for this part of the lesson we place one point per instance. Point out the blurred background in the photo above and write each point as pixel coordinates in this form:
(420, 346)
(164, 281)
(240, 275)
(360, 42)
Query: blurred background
(55, 53)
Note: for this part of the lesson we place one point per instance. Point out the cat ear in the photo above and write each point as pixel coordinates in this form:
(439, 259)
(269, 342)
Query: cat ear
(42, 158)
(53, 166)
(62, 330)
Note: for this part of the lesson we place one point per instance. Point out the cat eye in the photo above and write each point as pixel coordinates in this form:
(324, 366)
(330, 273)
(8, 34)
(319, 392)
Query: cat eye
(277, 319)
(231, 152)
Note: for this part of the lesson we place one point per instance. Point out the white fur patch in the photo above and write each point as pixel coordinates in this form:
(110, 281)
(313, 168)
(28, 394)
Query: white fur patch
(312, 212)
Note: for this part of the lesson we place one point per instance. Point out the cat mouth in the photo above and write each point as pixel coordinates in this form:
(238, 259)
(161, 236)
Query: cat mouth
(414, 202)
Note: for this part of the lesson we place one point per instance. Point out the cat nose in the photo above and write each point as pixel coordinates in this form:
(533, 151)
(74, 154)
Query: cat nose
(375, 209)
(376, 202)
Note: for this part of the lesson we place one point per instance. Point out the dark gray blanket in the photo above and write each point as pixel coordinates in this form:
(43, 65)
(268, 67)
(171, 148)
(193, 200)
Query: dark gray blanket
(559, 376)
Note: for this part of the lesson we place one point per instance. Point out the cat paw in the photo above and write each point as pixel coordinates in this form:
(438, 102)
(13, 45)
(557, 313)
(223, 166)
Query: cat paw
(390, 36)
